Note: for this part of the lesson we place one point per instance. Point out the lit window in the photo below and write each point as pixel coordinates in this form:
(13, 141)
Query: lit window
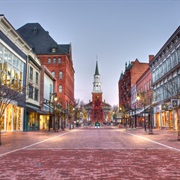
(60, 75)
(60, 88)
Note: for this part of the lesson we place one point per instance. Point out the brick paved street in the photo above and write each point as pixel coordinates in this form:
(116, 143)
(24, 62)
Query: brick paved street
(89, 153)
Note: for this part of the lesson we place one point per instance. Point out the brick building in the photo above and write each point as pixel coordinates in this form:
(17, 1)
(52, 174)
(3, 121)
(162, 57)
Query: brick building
(142, 89)
(56, 57)
(127, 80)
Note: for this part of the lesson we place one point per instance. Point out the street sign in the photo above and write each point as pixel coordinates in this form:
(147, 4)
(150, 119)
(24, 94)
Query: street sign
(97, 124)
(174, 103)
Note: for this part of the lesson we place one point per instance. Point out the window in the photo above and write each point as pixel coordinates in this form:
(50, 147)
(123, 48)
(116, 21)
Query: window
(53, 73)
(36, 94)
(51, 88)
(31, 73)
(31, 91)
(49, 60)
(54, 60)
(60, 88)
(53, 50)
(37, 77)
(59, 60)
(60, 75)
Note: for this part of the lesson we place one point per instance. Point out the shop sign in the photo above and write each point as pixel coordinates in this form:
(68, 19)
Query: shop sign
(174, 103)
(164, 107)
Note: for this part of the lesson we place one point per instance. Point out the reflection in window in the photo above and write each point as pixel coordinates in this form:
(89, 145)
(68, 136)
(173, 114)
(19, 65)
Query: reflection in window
(37, 75)
(31, 73)
(12, 69)
(36, 94)
(54, 60)
(31, 91)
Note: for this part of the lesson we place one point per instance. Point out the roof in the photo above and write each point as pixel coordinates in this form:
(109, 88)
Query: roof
(40, 40)
(96, 70)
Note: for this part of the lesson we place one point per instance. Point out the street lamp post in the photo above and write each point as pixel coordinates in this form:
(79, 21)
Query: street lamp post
(141, 95)
(135, 118)
(54, 99)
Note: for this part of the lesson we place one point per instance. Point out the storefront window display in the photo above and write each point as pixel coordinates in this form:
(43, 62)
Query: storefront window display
(33, 121)
(171, 119)
(12, 119)
(44, 121)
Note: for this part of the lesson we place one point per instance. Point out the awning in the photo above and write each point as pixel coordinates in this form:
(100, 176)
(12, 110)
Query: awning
(30, 108)
(145, 110)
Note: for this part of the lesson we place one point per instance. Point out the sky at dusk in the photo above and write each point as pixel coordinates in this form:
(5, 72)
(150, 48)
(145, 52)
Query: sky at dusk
(110, 31)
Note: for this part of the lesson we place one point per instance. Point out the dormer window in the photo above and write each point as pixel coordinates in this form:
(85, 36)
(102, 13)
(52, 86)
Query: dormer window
(53, 50)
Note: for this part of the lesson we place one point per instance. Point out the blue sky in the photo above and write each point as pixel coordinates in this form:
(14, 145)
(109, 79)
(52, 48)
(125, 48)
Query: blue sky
(117, 31)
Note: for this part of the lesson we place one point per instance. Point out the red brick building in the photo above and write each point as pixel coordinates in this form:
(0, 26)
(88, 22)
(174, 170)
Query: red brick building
(56, 57)
(97, 109)
(127, 80)
(141, 97)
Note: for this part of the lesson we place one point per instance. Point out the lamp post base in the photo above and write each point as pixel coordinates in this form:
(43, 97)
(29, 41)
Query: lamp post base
(151, 131)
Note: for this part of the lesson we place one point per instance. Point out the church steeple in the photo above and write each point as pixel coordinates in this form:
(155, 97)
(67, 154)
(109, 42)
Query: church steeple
(96, 70)
(97, 80)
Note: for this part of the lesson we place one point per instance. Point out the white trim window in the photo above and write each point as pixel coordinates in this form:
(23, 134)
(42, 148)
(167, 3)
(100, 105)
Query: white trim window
(60, 88)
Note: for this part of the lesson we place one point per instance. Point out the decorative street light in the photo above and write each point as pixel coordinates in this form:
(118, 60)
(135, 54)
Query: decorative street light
(54, 95)
(141, 95)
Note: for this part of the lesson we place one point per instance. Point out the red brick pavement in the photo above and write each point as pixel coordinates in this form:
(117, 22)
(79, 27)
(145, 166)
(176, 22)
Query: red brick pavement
(62, 158)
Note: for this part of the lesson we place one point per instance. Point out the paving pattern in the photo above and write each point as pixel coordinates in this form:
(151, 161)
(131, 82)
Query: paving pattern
(88, 153)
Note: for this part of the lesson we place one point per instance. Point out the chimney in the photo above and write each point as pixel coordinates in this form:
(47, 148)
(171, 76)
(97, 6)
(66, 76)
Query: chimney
(151, 58)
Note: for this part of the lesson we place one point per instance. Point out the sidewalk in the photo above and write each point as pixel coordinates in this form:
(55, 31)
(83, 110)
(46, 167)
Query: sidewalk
(16, 140)
(166, 137)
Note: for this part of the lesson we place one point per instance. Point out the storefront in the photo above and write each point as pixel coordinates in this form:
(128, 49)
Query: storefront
(12, 119)
(165, 116)
(44, 122)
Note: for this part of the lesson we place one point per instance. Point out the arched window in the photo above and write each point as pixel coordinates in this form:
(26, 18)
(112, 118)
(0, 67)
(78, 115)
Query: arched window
(59, 60)
(49, 60)
(60, 74)
(60, 88)
(53, 73)
(54, 60)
